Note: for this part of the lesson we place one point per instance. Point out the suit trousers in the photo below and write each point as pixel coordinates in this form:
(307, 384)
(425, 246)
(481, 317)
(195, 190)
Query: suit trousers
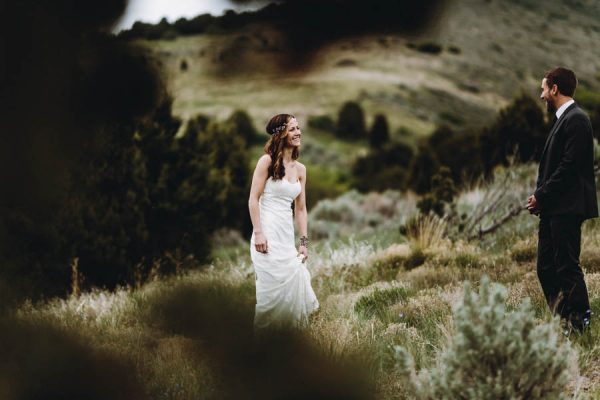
(558, 269)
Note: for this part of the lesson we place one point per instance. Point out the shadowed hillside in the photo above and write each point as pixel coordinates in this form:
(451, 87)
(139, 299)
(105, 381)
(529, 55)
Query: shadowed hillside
(480, 55)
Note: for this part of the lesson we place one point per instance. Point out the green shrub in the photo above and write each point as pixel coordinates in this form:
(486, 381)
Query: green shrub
(384, 168)
(380, 132)
(183, 66)
(459, 151)
(454, 49)
(377, 303)
(423, 167)
(451, 118)
(494, 354)
(587, 98)
(243, 126)
(351, 121)
(429, 47)
(519, 129)
(323, 183)
(442, 192)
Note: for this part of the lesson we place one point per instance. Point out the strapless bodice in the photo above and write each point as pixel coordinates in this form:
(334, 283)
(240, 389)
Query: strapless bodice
(278, 195)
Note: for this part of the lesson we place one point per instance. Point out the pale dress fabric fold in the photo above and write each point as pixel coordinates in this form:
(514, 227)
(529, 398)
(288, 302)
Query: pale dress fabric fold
(284, 295)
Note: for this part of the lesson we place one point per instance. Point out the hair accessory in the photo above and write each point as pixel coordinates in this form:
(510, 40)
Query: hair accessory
(278, 129)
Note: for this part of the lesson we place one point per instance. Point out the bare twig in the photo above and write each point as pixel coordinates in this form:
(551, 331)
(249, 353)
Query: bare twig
(487, 206)
(513, 212)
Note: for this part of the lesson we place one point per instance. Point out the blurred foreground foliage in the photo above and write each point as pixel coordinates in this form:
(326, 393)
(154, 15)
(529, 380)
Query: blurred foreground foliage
(148, 200)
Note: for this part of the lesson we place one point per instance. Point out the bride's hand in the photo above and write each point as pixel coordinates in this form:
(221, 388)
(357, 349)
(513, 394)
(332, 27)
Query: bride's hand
(304, 251)
(260, 242)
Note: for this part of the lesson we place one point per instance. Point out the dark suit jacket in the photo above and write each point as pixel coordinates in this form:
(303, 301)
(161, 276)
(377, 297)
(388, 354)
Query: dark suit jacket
(566, 184)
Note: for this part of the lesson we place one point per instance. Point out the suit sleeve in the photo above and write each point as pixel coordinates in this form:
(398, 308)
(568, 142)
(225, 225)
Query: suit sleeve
(575, 145)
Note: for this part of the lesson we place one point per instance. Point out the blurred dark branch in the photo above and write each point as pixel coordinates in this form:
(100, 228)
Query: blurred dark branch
(513, 212)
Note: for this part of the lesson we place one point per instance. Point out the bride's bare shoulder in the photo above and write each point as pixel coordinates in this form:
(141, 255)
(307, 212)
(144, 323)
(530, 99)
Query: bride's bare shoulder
(301, 166)
(264, 160)
(301, 169)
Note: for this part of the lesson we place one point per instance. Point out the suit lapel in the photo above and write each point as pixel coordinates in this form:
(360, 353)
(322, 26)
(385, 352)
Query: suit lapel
(556, 126)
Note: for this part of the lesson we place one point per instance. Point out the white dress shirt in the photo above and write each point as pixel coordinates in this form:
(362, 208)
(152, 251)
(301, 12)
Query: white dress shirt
(562, 108)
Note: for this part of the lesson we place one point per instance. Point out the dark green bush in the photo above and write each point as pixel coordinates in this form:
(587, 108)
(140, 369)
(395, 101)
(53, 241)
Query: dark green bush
(442, 193)
(379, 133)
(144, 196)
(423, 167)
(519, 130)
(323, 183)
(454, 49)
(429, 47)
(244, 126)
(460, 152)
(351, 121)
(385, 168)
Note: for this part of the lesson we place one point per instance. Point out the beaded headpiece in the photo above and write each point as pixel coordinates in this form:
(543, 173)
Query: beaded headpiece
(278, 129)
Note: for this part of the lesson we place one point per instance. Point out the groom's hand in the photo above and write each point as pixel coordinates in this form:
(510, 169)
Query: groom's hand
(532, 205)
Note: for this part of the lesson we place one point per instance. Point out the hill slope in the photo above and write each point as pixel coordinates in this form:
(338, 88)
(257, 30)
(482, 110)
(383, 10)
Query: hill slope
(499, 48)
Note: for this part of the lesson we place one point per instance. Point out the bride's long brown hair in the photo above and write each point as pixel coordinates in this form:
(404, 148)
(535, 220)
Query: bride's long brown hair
(277, 128)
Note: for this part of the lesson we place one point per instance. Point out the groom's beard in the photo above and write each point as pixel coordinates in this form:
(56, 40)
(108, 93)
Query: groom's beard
(550, 108)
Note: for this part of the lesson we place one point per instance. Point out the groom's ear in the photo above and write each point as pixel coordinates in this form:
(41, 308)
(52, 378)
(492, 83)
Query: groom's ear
(554, 90)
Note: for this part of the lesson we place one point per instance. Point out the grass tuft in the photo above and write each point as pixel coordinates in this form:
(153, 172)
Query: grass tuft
(378, 302)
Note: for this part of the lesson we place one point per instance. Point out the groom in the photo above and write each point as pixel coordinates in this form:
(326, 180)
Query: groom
(565, 196)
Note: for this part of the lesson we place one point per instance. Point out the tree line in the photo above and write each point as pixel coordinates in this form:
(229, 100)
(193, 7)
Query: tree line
(149, 200)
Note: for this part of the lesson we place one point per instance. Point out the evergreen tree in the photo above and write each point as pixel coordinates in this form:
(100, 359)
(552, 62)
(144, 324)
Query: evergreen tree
(519, 130)
(379, 133)
(422, 169)
(351, 121)
(244, 126)
(442, 192)
(385, 168)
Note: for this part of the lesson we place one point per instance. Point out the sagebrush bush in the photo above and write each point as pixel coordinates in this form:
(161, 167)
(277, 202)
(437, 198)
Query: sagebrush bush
(494, 354)
(355, 213)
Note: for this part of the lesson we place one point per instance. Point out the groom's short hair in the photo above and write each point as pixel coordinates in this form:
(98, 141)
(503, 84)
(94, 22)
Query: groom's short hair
(563, 78)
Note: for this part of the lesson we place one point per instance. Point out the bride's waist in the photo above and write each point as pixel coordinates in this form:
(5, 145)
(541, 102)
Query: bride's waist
(276, 206)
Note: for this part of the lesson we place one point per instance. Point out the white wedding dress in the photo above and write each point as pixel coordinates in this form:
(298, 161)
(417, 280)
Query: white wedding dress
(284, 296)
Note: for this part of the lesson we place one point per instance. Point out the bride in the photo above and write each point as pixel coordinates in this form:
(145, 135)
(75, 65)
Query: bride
(284, 296)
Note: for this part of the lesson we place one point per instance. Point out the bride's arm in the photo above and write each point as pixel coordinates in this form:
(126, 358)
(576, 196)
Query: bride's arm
(259, 178)
(301, 212)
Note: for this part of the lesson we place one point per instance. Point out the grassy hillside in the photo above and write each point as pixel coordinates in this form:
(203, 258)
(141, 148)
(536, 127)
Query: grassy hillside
(187, 337)
(491, 50)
